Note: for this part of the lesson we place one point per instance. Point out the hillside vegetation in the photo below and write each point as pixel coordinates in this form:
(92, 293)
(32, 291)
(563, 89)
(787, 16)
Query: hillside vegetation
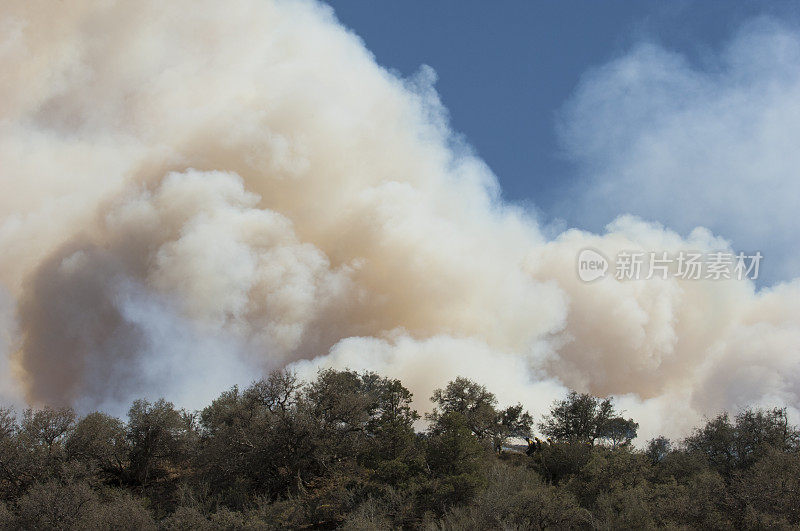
(342, 451)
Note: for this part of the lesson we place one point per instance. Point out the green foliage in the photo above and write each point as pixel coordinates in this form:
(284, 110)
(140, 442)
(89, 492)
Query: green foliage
(6, 517)
(368, 516)
(770, 490)
(54, 505)
(454, 458)
(513, 421)
(342, 451)
(160, 439)
(32, 450)
(100, 441)
(50, 505)
(266, 440)
(8, 423)
(731, 446)
(472, 401)
(560, 460)
(478, 408)
(619, 432)
(516, 498)
(585, 418)
(47, 428)
(186, 519)
(657, 449)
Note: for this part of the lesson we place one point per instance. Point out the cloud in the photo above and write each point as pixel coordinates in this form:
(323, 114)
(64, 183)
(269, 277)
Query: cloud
(689, 145)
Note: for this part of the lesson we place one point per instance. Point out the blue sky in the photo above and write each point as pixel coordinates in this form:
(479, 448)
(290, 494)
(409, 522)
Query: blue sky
(508, 70)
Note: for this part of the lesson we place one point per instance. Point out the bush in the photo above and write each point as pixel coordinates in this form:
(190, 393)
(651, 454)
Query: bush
(186, 519)
(368, 516)
(558, 461)
(52, 505)
(121, 511)
(770, 491)
(6, 518)
(342, 452)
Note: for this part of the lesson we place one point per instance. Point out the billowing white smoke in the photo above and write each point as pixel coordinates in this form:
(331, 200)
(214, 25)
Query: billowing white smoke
(196, 193)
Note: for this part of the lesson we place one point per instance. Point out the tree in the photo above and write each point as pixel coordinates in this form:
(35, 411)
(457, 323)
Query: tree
(715, 441)
(759, 430)
(392, 451)
(288, 454)
(393, 420)
(515, 422)
(472, 401)
(160, 437)
(32, 450)
(8, 423)
(730, 446)
(100, 440)
(48, 427)
(578, 418)
(260, 441)
(769, 491)
(559, 460)
(511, 422)
(453, 456)
(609, 472)
(619, 431)
(13, 473)
(657, 449)
(478, 407)
(343, 404)
(277, 436)
(278, 392)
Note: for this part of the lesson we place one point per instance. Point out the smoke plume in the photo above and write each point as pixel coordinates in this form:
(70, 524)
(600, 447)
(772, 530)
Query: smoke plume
(196, 193)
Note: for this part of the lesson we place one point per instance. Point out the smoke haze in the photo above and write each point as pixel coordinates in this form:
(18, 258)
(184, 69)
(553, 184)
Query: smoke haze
(195, 193)
(718, 141)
